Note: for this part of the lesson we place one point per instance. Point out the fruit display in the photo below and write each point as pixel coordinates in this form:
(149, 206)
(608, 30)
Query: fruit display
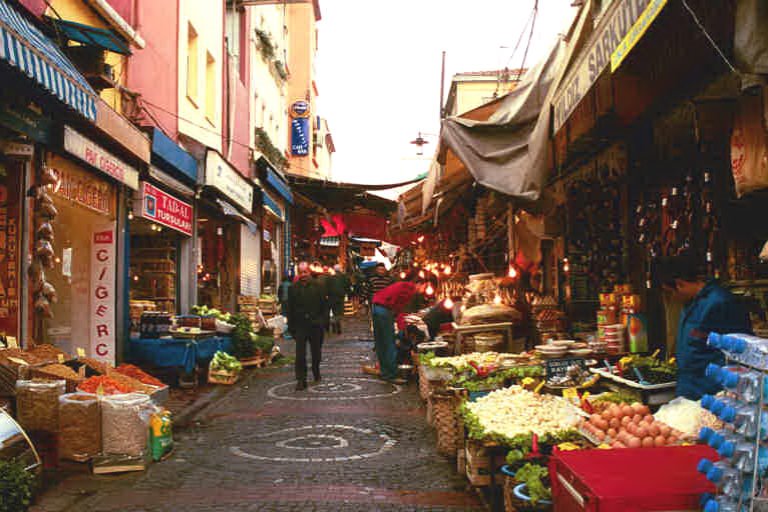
(629, 426)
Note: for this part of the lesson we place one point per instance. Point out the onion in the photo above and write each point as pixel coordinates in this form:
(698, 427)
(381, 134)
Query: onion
(647, 442)
(615, 423)
(637, 407)
(641, 432)
(611, 433)
(654, 430)
(637, 419)
(627, 410)
(626, 420)
(659, 441)
(634, 443)
(664, 430)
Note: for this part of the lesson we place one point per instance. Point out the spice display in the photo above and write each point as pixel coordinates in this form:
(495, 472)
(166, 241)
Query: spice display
(103, 385)
(37, 404)
(60, 370)
(129, 383)
(80, 432)
(140, 375)
(47, 352)
(17, 353)
(125, 424)
(94, 365)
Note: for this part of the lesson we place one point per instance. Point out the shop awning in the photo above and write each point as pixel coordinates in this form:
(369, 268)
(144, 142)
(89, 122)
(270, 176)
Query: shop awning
(173, 156)
(91, 36)
(231, 211)
(25, 47)
(272, 206)
(275, 179)
(509, 152)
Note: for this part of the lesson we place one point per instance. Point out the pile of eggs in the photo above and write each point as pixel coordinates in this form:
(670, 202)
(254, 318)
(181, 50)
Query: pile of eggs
(630, 426)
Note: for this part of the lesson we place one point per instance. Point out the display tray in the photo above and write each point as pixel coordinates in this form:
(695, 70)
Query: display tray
(191, 335)
(621, 380)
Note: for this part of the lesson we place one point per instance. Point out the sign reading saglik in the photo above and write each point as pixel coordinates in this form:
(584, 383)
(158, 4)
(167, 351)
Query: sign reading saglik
(596, 56)
(93, 154)
(163, 208)
(103, 270)
(219, 174)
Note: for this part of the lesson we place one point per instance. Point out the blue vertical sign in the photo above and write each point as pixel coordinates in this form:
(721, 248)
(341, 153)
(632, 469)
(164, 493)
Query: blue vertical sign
(300, 136)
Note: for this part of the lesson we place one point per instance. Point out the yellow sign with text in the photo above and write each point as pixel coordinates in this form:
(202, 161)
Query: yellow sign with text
(637, 31)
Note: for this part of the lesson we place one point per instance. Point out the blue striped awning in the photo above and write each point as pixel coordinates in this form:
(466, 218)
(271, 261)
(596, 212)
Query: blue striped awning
(271, 205)
(25, 47)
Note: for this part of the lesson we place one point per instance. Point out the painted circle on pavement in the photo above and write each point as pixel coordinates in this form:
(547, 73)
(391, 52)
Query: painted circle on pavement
(337, 388)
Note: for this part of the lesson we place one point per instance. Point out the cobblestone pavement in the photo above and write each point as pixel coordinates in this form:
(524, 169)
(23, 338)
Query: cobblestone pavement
(351, 443)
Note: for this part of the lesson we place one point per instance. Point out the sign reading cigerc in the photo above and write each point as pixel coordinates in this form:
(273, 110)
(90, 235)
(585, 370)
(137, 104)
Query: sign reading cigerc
(103, 291)
(161, 207)
(100, 158)
(222, 176)
(596, 57)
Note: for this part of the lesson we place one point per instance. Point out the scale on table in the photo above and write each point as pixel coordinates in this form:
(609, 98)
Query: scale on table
(15, 444)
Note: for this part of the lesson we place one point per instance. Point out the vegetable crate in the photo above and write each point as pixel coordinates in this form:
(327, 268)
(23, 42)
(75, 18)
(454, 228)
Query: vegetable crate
(478, 468)
(222, 377)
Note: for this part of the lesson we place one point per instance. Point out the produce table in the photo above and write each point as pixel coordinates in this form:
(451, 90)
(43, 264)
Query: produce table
(178, 352)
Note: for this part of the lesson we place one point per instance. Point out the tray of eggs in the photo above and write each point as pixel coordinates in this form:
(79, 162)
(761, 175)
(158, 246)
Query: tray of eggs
(629, 426)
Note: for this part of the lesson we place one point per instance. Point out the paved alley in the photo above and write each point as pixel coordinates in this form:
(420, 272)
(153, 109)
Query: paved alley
(351, 443)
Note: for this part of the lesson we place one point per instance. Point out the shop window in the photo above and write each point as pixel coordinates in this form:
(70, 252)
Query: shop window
(83, 275)
(192, 63)
(210, 88)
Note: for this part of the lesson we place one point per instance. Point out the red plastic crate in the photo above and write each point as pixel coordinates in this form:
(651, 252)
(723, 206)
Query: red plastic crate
(630, 480)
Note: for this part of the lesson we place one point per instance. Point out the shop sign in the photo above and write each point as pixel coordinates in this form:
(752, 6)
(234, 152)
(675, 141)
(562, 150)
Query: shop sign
(300, 136)
(100, 158)
(597, 55)
(103, 293)
(637, 31)
(84, 189)
(222, 176)
(26, 121)
(300, 108)
(9, 254)
(267, 235)
(163, 208)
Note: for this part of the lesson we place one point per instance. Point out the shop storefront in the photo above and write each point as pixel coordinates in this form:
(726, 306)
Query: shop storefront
(224, 219)
(273, 236)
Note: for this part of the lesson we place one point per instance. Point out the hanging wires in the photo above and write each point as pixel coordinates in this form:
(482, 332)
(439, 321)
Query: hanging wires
(530, 37)
(709, 37)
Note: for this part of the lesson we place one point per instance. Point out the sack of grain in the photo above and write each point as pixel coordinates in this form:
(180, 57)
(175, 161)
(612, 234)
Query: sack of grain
(125, 424)
(80, 426)
(37, 404)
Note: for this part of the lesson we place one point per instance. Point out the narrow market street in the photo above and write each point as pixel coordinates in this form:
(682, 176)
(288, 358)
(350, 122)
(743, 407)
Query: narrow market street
(351, 443)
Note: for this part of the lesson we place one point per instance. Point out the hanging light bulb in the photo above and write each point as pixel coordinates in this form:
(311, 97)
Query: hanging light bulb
(447, 270)
(430, 290)
(420, 239)
(497, 299)
(566, 265)
(403, 275)
(463, 308)
(422, 275)
(512, 272)
(448, 303)
(130, 214)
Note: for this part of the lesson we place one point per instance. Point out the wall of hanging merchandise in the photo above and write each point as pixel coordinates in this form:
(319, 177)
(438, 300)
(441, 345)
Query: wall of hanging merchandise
(43, 255)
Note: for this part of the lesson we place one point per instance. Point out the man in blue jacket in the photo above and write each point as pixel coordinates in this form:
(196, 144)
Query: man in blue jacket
(708, 308)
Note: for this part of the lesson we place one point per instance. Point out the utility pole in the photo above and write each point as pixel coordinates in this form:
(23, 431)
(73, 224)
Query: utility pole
(442, 88)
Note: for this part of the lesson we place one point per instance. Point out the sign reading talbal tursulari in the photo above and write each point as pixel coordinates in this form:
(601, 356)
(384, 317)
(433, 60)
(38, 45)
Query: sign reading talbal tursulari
(222, 176)
(162, 208)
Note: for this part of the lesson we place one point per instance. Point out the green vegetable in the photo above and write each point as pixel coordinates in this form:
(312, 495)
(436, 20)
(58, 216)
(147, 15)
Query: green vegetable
(426, 358)
(471, 381)
(16, 486)
(615, 398)
(534, 476)
(242, 337)
(225, 362)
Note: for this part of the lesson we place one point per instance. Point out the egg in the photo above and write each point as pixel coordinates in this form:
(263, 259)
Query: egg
(612, 433)
(614, 423)
(634, 442)
(607, 414)
(627, 411)
(632, 429)
(665, 430)
(626, 420)
(641, 432)
(659, 441)
(615, 410)
(637, 418)
(644, 410)
(600, 435)
(654, 430)
(637, 407)
(594, 418)
(602, 425)
(647, 442)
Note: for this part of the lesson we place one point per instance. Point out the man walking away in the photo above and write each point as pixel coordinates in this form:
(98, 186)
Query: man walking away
(306, 322)
(338, 288)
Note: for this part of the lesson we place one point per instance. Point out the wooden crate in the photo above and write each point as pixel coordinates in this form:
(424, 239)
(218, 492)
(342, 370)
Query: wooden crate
(255, 361)
(478, 476)
(222, 377)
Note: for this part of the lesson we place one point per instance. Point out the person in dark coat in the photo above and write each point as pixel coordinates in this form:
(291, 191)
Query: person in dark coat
(321, 276)
(708, 308)
(338, 288)
(307, 317)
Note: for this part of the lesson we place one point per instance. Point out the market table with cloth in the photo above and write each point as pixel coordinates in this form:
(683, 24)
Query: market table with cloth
(178, 352)
(630, 479)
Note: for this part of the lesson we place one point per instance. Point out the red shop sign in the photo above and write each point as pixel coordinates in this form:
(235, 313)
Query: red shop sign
(163, 208)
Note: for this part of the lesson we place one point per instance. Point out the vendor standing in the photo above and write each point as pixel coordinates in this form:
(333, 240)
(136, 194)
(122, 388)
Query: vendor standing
(708, 308)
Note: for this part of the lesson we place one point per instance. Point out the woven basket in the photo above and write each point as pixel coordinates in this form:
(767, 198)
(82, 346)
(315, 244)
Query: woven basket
(450, 435)
(424, 388)
(430, 412)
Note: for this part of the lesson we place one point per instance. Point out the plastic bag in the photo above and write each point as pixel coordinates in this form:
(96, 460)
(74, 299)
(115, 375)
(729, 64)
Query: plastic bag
(37, 404)
(125, 424)
(160, 434)
(278, 322)
(80, 426)
(687, 416)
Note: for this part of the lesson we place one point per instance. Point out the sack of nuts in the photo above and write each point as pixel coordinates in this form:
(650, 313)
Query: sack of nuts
(80, 426)
(37, 404)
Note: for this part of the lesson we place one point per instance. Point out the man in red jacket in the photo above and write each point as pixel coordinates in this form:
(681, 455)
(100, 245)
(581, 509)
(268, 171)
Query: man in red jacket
(387, 304)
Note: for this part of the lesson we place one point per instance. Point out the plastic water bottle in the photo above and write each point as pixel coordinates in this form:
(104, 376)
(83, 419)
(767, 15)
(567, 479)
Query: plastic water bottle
(742, 455)
(720, 404)
(746, 384)
(722, 504)
(718, 438)
(744, 348)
